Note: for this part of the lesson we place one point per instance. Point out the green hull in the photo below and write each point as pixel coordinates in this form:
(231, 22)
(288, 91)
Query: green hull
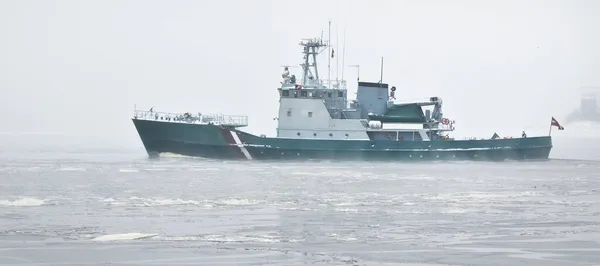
(211, 141)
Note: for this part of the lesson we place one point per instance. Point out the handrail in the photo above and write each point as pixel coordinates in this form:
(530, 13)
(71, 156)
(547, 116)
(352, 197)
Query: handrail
(215, 119)
(337, 84)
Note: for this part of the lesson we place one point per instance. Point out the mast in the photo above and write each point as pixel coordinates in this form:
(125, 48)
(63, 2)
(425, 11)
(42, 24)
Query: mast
(311, 48)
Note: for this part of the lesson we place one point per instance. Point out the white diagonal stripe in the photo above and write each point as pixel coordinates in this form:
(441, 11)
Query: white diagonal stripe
(237, 140)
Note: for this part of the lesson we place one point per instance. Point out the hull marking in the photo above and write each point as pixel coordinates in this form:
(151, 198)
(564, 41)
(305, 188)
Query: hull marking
(238, 142)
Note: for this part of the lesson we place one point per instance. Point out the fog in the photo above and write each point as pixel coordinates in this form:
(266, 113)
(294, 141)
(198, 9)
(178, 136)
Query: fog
(72, 71)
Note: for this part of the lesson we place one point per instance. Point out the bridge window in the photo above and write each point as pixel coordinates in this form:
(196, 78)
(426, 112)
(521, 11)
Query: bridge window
(289, 113)
(340, 94)
(285, 93)
(303, 93)
(309, 114)
(329, 94)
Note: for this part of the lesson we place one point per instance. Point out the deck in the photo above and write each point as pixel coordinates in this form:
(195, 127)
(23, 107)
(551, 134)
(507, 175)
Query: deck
(189, 118)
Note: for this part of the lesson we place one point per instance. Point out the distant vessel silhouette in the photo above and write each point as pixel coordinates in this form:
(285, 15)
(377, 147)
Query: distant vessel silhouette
(588, 109)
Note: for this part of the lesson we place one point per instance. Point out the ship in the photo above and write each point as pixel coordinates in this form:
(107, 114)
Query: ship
(588, 108)
(317, 122)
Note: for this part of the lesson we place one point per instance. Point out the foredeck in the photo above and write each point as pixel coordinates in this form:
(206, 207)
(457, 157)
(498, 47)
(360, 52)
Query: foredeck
(188, 118)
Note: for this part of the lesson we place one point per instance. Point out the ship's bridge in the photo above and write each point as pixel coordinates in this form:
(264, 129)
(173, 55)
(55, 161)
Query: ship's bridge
(333, 92)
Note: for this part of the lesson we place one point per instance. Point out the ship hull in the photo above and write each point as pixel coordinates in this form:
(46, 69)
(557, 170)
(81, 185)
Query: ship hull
(216, 142)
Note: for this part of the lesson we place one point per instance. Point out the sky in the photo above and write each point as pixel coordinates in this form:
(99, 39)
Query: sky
(76, 69)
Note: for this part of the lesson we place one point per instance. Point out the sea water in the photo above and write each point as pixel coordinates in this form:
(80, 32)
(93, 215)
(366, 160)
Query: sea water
(63, 206)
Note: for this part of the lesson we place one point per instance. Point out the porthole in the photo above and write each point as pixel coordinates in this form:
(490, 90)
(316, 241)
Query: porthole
(331, 135)
(298, 133)
(315, 134)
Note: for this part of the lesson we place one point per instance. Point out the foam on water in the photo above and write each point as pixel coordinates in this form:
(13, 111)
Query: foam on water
(345, 210)
(121, 237)
(129, 170)
(242, 238)
(71, 169)
(235, 202)
(156, 169)
(154, 202)
(22, 202)
(150, 202)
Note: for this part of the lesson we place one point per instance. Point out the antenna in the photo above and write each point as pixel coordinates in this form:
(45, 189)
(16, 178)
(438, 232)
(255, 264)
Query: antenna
(329, 57)
(337, 58)
(381, 80)
(343, 52)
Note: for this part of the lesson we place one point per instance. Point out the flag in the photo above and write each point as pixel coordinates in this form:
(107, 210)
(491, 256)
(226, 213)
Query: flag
(556, 124)
(332, 52)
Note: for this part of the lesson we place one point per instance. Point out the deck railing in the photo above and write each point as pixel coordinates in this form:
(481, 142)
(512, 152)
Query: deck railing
(330, 84)
(189, 118)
